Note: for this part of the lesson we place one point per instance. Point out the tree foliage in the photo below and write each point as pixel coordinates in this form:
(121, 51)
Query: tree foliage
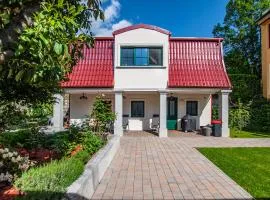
(242, 35)
(240, 116)
(245, 87)
(47, 47)
(102, 114)
(40, 42)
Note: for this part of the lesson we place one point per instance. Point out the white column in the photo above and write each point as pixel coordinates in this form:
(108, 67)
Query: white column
(224, 112)
(118, 125)
(163, 132)
(58, 115)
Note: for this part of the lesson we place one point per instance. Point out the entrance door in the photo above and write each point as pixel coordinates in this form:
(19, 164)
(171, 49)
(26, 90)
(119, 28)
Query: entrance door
(172, 113)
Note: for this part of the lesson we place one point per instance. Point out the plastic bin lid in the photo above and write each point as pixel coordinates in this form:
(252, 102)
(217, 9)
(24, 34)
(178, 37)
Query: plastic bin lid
(216, 122)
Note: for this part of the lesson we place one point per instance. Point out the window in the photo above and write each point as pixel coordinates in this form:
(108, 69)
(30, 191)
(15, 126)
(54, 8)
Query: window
(192, 108)
(127, 56)
(172, 108)
(137, 108)
(141, 56)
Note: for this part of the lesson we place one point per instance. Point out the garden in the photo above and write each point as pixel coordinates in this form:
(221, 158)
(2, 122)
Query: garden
(38, 165)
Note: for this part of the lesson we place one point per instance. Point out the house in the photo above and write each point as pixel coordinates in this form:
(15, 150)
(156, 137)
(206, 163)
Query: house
(264, 23)
(149, 77)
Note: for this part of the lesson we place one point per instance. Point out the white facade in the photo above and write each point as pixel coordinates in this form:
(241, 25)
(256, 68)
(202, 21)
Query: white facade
(81, 109)
(148, 84)
(141, 77)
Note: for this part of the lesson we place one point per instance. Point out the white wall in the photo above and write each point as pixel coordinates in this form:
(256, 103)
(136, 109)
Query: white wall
(151, 106)
(204, 108)
(80, 108)
(141, 77)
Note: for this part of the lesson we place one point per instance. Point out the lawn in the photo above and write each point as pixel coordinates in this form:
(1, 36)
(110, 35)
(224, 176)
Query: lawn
(249, 167)
(248, 134)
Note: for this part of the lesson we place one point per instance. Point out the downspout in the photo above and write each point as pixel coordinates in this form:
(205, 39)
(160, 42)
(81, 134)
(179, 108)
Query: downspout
(211, 103)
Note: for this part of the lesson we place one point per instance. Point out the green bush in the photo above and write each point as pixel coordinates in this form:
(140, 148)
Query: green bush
(51, 180)
(91, 142)
(102, 114)
(215, 112)
(62, 142)
(260, 115)
(239, 116)
(27, 138)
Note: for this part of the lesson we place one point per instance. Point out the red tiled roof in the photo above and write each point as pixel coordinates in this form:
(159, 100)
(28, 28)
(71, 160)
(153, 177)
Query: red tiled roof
(195, 62)
(95, 70)
(145, 26)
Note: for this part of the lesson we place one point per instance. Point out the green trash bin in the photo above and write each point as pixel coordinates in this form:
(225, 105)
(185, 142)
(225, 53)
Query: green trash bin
(216, 128)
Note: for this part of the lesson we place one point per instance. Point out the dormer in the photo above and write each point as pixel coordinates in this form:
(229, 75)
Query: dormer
(141, 51)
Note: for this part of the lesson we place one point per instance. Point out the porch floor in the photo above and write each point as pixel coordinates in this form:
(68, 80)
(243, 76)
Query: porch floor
(171, 133)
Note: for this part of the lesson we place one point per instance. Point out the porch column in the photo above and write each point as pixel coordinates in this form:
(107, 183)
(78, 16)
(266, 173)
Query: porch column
(163, 115)
(58, 115)
(118, 125)
(224, 112)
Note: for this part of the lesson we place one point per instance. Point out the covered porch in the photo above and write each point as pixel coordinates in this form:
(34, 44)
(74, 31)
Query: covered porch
(155, 111)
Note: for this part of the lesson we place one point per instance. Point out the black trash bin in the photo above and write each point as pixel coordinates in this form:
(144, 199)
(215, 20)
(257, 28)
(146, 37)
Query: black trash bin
(216, 128)
(188, 123)
(184, 124)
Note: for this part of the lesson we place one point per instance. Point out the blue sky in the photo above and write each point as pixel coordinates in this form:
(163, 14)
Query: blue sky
(184, 18)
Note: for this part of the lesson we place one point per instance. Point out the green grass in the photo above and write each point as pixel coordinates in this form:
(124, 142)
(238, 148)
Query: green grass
(248, 134)
(51, 180)
(249, 167)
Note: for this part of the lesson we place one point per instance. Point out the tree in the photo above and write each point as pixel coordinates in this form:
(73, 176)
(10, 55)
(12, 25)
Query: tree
(40, 42)
(242, 35)
(102, 114)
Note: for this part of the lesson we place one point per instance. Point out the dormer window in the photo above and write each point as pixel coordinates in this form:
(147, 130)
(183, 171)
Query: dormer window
(141, 56)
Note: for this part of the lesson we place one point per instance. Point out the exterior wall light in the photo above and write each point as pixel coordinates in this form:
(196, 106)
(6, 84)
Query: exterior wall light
(83, 97)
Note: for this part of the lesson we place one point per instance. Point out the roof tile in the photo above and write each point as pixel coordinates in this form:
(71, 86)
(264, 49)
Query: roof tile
(197, 63)
(95, 69)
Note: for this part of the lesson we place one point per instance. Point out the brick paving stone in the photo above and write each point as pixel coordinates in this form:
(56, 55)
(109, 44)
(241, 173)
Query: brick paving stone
(148, 167)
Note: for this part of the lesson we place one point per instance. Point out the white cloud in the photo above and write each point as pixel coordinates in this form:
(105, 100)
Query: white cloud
(111, 22)
(121, 24)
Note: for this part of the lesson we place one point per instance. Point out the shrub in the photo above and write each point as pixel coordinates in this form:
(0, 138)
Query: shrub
(12, 165)
(62, 142)
(260, 115)
(102, 114)
(51, 180)
(240, 116)
(27, 138)
(215, 112)
(91, 142)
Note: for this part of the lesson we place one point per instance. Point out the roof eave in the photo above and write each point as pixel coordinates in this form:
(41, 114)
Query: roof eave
(195, 39)
(145, 26)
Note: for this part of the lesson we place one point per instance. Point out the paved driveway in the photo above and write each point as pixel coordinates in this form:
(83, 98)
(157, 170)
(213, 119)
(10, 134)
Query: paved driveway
(170, 168)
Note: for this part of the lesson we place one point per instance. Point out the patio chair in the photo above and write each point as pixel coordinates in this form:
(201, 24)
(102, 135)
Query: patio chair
(125, 124)
(154, 124)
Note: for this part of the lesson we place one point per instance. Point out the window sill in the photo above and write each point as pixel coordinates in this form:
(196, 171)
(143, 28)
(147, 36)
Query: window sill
(140, 67)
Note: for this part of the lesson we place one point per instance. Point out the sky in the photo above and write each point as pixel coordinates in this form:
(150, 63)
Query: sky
(183, 18)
